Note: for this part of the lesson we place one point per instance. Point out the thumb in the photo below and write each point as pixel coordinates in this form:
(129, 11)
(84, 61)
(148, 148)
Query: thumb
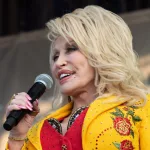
(36, 109)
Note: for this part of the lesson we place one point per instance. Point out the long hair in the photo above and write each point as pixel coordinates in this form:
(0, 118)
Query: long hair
(106, 41)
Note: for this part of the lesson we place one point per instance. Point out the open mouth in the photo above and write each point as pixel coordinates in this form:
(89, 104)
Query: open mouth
(63, 75)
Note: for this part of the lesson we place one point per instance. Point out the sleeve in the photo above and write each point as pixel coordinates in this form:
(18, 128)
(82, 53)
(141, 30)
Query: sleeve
(26, 146)
(7, 146)
(145, 127)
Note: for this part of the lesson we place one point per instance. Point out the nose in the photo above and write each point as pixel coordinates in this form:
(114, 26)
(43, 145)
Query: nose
(61, 61)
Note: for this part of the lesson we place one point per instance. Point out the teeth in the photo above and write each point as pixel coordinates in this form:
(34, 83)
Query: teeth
(63, 75)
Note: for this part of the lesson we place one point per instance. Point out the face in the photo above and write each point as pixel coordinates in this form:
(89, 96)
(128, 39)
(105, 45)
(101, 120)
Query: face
(71, 68)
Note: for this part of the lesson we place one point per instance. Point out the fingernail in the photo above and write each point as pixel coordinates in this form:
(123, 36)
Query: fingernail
(28, 97)
(37, 101)
(29, 107)
(22, 107)
(29, 104)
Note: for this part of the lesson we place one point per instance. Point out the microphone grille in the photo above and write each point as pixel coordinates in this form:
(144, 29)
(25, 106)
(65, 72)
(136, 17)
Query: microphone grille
(45, 79)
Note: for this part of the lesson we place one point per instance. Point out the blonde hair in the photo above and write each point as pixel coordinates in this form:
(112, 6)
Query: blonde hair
(105, 39)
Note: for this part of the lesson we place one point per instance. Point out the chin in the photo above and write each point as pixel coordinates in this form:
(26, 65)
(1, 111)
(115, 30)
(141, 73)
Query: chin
(67, 91)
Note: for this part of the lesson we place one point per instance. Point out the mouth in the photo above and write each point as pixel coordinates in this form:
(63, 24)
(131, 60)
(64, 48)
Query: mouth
(65, 75)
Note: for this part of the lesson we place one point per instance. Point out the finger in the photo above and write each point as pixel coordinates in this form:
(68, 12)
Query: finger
(12, 107)
(35, 106)
(22, 104)
(13, 97)
(16, 107)
(21, 101)
(20, 96)
(26, 98)
(25, 94)
(36, 109)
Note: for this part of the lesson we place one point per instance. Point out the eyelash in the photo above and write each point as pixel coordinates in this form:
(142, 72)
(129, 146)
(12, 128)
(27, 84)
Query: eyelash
(54, 58)
(68, 50)
(73, 48)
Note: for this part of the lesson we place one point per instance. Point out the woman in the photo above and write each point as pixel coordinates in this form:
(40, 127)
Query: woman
(104, 104)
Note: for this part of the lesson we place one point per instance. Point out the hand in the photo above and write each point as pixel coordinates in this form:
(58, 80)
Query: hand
(22, 101)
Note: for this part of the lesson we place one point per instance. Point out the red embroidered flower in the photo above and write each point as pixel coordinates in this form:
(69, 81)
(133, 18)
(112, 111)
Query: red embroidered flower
(126, 145)
(122, 125)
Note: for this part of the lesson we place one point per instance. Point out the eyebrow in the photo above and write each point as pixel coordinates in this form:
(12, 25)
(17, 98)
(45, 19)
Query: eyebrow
(56, 51)
(71, 43)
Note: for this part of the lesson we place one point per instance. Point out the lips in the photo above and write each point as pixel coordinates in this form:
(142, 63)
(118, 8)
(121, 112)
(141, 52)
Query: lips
(64, 74)
(65, 79)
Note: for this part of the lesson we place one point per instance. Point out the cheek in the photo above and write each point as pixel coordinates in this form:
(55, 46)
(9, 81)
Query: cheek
(53, 68)
(90, 73)
(87, 71)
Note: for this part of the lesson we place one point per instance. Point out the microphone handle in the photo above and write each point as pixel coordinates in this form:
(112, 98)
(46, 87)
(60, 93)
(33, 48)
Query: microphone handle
(35, 92)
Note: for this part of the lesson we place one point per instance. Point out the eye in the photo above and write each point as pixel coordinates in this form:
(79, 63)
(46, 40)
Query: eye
(72, 48)
(55, 57)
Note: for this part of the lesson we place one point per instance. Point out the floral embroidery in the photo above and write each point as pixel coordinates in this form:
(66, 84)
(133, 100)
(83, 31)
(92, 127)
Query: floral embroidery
(121, 122)
(124, 145)
(122, 125)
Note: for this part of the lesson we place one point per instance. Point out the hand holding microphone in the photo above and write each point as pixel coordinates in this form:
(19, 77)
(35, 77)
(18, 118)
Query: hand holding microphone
(21, 106)
(20, 103)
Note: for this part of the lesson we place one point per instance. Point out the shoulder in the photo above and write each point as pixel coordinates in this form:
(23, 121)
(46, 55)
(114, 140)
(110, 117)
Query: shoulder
(139, 114)
(148, 101)
(146, 107)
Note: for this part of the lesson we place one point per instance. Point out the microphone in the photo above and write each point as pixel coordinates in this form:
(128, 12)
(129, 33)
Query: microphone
(41, 83)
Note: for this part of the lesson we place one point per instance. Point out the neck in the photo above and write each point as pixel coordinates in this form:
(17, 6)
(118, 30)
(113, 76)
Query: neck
(83, 99)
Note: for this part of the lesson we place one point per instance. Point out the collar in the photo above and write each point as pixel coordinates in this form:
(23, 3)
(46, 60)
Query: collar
(34, 132)
(96, 108)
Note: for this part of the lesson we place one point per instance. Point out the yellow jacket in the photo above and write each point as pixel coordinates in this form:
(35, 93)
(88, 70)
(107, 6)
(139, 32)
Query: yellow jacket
(110, 126)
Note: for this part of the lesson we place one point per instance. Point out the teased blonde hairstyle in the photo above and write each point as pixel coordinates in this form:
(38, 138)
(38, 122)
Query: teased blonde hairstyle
(105, 39)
